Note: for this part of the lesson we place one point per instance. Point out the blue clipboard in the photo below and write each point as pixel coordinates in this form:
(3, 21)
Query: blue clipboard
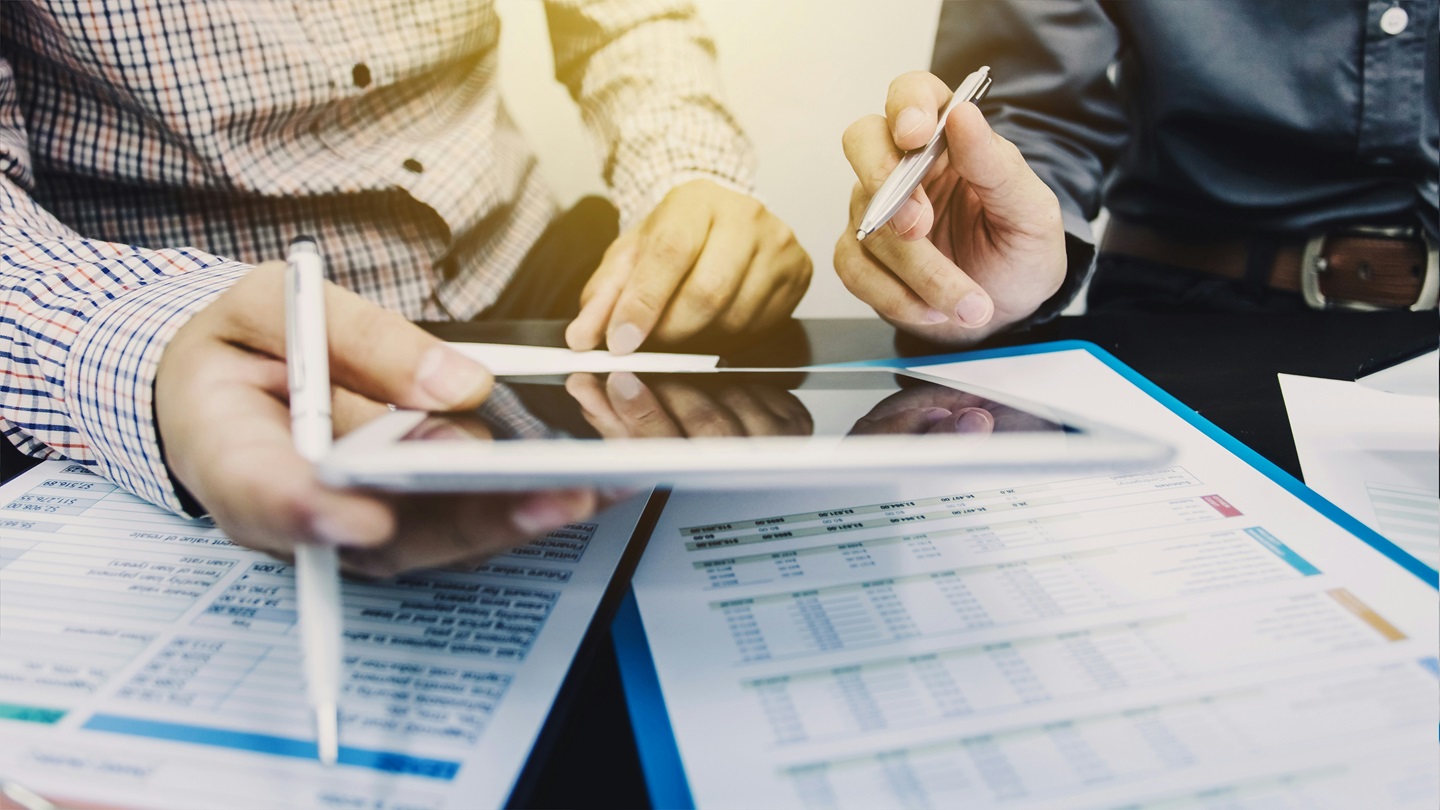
(660, 754)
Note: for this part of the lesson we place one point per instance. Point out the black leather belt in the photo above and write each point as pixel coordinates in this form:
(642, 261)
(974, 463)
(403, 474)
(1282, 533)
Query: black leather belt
(1354, 267)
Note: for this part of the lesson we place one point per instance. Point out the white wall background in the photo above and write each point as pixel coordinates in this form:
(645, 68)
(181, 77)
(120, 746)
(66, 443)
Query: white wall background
(796, 72)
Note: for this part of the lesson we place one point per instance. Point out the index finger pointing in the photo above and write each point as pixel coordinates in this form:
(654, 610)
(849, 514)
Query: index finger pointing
(665, 255)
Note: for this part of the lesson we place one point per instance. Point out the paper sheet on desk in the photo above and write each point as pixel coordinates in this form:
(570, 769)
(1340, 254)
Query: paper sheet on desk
(1374, 454)
(145, 661)
(502, 358)
(1183, 637)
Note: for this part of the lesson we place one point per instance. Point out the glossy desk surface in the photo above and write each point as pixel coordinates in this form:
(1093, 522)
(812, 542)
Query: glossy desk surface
(1221, 365)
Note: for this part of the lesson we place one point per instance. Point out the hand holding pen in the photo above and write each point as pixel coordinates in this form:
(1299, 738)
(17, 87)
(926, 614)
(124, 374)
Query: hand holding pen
(220, 400)
(976, 246)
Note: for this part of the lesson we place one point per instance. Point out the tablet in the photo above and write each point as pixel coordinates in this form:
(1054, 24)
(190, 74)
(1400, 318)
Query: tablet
(724, 429)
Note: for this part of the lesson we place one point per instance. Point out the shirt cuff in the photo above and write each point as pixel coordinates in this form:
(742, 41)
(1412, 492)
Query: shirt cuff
(110, 376)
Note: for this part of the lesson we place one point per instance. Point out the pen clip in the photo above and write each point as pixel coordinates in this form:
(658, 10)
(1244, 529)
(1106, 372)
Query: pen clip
(971, 89)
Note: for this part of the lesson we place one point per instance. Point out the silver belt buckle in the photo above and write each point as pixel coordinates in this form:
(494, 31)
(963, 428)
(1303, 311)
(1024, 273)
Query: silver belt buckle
(1313, 265)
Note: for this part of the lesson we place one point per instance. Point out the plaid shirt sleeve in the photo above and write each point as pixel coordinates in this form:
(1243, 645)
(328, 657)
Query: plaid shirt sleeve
(82, 326)
(644, 74)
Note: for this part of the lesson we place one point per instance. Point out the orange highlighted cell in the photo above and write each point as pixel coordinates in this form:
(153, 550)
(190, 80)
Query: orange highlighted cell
(1370, 617)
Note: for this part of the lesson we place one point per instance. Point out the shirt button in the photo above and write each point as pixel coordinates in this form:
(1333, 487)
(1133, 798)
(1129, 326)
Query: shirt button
(413, 165)
(361, 74)
(1394, 20)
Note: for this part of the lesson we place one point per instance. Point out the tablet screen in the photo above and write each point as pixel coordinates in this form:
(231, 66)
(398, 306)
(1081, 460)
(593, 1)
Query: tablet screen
(626, 406)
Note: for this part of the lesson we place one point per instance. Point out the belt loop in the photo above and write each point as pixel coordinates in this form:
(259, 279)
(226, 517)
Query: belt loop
(1259, 264)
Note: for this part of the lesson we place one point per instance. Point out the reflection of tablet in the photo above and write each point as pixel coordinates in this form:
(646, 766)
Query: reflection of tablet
(730, 429)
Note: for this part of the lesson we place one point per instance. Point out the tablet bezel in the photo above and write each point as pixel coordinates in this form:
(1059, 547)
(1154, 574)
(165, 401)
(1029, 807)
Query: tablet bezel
(374, 457)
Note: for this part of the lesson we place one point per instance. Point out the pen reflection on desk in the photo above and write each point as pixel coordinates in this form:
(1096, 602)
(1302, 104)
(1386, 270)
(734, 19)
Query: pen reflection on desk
(917, 163)
(317, 568)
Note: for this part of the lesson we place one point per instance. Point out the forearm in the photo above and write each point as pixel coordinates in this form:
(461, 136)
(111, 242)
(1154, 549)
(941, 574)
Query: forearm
(85, 323)
(1052, 97)
(645, 77)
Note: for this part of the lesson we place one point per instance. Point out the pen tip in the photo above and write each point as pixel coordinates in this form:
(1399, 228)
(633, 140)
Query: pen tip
(860, 235)
(327, 735)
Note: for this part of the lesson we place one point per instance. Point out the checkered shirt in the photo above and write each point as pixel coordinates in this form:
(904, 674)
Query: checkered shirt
(152, 150)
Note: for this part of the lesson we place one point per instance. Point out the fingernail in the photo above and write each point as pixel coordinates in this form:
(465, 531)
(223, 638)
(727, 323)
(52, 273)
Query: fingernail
(449, 377)
(336, 530)
(627, 385)
(540, 514)
(909, 120)
(974, 309)
(974, 421)
(935, 316)
(573, 337)
(933, 415)
(624, 339)
(907, 217)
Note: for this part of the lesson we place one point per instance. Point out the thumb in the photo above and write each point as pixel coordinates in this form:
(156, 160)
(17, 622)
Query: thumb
(373, 352)
(378, 354)
(994, 167)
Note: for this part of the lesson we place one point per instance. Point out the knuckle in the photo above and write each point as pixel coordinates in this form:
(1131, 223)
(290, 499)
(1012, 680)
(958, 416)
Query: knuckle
(851, 136)
(1012, 152)
(646, 303)
(876, 175)
(854, 280)
(934, 276)
(708, 296)
(844, 257)
(784, 241)
(733, 322)
(708, 421)
(861, 131)
(644, 411)
(905, 82)
(804, 271)
(896, 85)
(668, 245)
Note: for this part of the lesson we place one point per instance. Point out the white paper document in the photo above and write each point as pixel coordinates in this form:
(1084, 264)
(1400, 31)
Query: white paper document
(145, 661)
(1418, 376)
(504, 358)
(1372, 453)
(1192, 636)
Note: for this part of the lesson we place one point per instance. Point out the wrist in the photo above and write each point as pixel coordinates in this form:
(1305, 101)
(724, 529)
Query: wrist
(110, 375)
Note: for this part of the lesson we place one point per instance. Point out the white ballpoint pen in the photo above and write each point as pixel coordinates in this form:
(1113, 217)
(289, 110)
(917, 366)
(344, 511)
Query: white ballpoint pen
(317, 568)
(917, 163)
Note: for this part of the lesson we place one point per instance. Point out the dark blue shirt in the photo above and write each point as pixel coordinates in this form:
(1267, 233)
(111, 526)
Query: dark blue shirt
(1236, 116)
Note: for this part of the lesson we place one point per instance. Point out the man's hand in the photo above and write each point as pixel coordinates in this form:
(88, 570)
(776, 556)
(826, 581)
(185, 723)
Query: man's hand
(927, 408)
(623, 407)
(706, 265)
(220, 404)
(978, 247)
